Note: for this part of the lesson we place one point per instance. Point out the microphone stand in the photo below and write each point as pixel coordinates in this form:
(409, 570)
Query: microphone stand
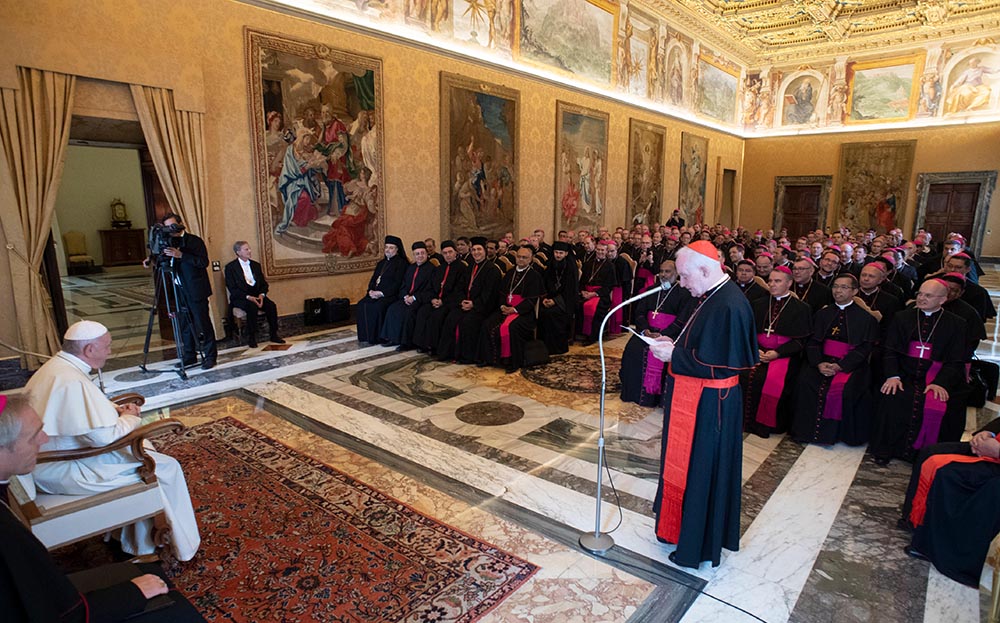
(598, 542)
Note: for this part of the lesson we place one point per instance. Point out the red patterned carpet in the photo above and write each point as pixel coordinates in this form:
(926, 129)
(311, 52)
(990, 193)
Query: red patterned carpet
(287, 538)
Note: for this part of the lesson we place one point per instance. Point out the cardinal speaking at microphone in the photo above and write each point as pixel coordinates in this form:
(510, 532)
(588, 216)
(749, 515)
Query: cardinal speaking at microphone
(697, 503)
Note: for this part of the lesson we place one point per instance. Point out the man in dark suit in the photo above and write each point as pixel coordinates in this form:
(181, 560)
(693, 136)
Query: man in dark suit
(248, 291)
(189, 259)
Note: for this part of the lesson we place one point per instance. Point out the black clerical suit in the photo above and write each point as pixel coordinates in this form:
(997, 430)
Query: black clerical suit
(752, 290)
(445, 286)
(239, 296)
(662, 308)
(387, 279)
(192, 268)
(32, 588)
(814, 294)
(459, 338)
(397, 328)
(599, 274)
(527, 285)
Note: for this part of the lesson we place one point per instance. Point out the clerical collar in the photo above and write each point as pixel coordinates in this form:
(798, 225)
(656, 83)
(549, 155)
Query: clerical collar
(844, 306)
(76, 361)
(718, 283)
(778, 298)
(931, 313)
(521, 270)
(866, 293)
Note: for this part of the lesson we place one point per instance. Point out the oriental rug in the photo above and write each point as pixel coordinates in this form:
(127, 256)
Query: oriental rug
(576, 373)
(287, 538)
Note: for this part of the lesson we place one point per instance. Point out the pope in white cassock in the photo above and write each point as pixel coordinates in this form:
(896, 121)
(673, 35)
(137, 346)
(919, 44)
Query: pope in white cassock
(76, 414)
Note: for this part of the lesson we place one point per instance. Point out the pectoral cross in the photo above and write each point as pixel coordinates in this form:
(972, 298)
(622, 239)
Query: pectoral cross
(835, 331)
(510, 298)
(378, 280)
(922, 350)
(768, 331)
(655, 314)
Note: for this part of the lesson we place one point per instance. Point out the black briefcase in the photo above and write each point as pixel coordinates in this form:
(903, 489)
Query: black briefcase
(989, 373)
(338, 310)
(314, 312)
(535, 354)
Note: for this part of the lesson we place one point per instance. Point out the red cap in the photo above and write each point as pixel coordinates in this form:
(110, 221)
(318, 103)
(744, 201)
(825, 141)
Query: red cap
(706, 248)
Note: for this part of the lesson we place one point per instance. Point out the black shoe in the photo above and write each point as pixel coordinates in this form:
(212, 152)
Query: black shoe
(277, 340)
(185, 364)
(882, 461)
(913, 552)
(404, 347)
(208, 364)
(511, 369)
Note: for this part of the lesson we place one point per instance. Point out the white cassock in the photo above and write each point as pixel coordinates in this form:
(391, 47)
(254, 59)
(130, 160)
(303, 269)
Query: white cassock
(76, 414)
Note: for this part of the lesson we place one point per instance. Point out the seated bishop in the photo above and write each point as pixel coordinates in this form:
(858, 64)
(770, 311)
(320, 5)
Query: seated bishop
(415, 291)
(833, 396)
(446, 294)
(641, 373)
(783, 324)
(923, 396)
(75, 414)
(597, 284)
(510, 327)
(383, 287)
(555, 316)
(480, 296)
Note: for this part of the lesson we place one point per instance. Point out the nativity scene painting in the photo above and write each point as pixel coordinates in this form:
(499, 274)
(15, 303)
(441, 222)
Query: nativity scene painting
(315, 115)
(479, 138)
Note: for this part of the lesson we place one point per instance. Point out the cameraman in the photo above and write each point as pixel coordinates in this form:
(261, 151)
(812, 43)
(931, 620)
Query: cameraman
(190, 263)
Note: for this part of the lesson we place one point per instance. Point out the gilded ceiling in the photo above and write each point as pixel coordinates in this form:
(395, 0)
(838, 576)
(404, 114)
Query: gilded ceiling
(766, 32)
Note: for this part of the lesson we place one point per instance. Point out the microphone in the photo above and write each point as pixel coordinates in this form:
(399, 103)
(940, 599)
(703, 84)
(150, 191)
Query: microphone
(598, 542)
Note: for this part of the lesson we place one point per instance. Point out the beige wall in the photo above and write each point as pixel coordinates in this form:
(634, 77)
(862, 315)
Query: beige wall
(939, 150)
(197, 48)
(92, 179)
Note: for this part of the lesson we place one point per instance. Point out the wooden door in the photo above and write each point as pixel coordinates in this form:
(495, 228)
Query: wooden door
(800, 210)
(951, 208)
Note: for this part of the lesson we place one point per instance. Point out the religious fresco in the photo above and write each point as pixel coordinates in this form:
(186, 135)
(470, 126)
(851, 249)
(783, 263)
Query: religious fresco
(645, 172)
(716, 90)
(973, 84)
(581, 161)
(800, 103)
(884, 90)
(694, 173)
(316, 122)
(677, 71)
(479, 158)
(576, 37)
(488, 23)
(640, 62)
(874, 180)
(434, 15)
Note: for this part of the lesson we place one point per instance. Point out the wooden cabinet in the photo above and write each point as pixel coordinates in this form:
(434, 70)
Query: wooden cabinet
(123, 246)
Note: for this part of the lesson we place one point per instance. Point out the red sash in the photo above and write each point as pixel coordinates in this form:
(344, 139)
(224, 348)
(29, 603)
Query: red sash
(515, 300)
(774, 382)
(680, 439)
(833, 407)
(589, 308)
(927, 472)
(619, 316)
(652, 380)
(933, 408)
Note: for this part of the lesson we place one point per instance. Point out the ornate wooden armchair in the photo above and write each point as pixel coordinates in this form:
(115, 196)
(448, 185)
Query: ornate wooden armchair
(59, 520)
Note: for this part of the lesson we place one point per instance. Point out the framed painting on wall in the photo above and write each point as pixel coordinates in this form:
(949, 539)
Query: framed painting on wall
(479, 158)
(883, 90)
(694, 171)
(581, 182)
(577, 38)
(645, 172)
(874, 182)
(315, 126)
(717, 89)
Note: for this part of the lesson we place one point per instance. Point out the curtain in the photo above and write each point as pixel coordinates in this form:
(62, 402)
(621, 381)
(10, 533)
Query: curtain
(34, 133)
(364, 86)
(177, 147)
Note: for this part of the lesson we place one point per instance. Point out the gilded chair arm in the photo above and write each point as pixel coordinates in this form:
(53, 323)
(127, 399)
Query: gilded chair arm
(134, 441)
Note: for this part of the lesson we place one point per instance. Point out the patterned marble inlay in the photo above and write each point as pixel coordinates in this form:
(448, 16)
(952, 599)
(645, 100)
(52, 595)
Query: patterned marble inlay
(403, 380)
(489, 413)
(638, 457)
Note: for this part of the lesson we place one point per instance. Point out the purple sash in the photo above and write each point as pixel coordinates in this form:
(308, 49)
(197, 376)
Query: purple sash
(589, 308)
(834, 406)
(933, 408)
(774, 382)
(645, 276)
(515, 300)
(652, 380)
(619, 316)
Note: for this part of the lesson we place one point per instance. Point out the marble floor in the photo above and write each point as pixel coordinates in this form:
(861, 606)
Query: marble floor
(512, 459)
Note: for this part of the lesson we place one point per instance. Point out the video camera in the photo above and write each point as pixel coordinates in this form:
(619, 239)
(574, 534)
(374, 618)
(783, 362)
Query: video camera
(162, 236)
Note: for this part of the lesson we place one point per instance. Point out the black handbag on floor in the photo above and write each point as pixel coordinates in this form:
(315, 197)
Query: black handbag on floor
(989, 373)
(535, 354)
(314, 312)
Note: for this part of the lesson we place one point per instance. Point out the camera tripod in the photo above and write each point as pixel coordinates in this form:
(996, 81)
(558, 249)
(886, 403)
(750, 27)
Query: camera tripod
(166, 283)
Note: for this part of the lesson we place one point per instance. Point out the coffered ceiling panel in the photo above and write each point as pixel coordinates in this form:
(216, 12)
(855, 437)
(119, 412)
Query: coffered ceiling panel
(764, 32)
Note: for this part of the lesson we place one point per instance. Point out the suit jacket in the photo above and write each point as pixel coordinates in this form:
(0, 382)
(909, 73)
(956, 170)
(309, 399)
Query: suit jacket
(237, 284)
(192, 267)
